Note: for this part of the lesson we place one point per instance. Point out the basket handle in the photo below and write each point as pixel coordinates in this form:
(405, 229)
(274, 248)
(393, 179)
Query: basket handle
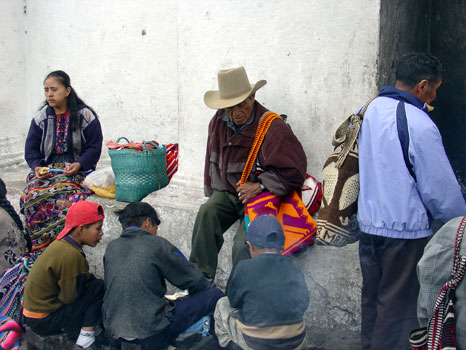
(149, 143)
(122, 137)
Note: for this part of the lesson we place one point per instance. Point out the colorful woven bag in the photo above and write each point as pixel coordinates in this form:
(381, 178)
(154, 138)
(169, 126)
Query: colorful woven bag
(298, 225)
(138, 173)
(12, 285)
(337, 223)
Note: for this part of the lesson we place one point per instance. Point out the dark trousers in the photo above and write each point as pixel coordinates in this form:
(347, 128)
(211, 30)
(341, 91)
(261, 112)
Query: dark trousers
(187, 311)
(85, 311)
(215, 217)
(389, 290)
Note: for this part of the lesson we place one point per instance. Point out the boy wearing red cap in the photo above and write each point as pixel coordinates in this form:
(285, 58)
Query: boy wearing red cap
(60, 293)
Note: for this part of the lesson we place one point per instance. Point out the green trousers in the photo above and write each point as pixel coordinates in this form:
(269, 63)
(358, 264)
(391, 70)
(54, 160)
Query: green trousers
(213, 219)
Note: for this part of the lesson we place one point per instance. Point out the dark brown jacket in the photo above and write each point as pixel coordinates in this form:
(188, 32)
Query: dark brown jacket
(281, 156)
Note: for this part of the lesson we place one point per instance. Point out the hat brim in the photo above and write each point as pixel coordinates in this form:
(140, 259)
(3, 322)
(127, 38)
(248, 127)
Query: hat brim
(213, 100)
(64, 232)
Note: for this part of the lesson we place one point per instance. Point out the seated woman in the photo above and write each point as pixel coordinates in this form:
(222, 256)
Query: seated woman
(63, 145)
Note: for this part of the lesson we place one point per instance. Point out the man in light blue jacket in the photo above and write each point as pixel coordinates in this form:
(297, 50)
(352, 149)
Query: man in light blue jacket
(399, 198)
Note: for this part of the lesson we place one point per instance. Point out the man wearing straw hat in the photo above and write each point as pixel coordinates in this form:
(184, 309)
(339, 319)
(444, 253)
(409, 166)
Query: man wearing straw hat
(280, 166)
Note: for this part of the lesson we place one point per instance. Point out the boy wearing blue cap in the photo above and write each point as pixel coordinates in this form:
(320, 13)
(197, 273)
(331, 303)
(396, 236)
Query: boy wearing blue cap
(266, 296)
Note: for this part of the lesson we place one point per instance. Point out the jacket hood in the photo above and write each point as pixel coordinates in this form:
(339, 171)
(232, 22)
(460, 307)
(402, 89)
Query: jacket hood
(405, 96)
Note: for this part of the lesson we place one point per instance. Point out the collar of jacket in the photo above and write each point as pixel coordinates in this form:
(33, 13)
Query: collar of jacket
(75, 244)
(133, 230)
(51, 111)
(405, 96)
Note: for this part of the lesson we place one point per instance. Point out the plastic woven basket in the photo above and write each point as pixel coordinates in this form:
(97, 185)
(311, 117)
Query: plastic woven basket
(138, 173)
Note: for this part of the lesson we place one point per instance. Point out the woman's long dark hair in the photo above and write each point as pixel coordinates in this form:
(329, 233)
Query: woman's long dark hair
(5, 204)
(72, 100)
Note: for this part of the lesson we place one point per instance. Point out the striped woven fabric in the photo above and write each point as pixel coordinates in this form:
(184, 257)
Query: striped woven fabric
(441, 326)
(10, 333)
(44, 204)
(12, 287)
(440, 331)
(172, 159)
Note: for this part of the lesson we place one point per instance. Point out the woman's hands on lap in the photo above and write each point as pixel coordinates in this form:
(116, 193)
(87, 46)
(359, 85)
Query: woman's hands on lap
(40, 174)
(72, 168)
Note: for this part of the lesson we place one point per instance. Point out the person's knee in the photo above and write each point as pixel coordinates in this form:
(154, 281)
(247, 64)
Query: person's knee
(206, 211)
(216, 293)
(211, 295)
(223, 301)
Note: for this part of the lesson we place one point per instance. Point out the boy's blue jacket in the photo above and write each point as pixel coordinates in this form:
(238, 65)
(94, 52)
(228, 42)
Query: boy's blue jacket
(391, 203)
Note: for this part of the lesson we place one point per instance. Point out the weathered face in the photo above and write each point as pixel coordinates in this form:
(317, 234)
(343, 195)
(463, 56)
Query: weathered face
(92, 234)
(55, 93)
(427, 91)
(239, 114)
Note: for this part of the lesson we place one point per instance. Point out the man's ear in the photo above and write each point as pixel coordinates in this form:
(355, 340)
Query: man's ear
(146, 223)
(423, 85)
(76, 233)
(420, 89)
(252, 247)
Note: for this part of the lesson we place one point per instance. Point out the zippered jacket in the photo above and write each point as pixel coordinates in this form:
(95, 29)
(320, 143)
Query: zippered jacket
(391, 203)
(84, 145)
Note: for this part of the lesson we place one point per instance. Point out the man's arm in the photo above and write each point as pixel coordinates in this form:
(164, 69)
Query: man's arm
(178, 270)
(283, 158)
(72, 276)
(207, 180)
(437, 183)
(235, 288)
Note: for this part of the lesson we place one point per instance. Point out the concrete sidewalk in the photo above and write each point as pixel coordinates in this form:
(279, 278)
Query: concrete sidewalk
(317, 339)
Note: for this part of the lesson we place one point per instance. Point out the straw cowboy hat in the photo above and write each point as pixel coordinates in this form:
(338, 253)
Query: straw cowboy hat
(233, 88)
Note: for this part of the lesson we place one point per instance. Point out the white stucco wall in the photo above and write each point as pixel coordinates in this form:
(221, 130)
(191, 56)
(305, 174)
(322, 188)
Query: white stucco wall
(319, 59)
(13, 80)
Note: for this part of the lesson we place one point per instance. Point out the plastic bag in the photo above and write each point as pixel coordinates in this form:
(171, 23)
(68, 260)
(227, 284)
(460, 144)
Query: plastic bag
(101, 178)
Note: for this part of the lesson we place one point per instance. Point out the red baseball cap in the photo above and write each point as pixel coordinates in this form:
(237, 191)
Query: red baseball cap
(81, 213)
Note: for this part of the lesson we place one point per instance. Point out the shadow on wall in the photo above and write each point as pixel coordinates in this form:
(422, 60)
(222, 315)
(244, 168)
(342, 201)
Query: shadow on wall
(437, 27)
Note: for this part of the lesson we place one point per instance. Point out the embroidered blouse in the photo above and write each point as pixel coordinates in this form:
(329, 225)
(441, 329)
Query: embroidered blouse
(61, 133)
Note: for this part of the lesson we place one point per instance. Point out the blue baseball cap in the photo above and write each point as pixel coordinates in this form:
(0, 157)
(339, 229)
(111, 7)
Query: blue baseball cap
(266, 232)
